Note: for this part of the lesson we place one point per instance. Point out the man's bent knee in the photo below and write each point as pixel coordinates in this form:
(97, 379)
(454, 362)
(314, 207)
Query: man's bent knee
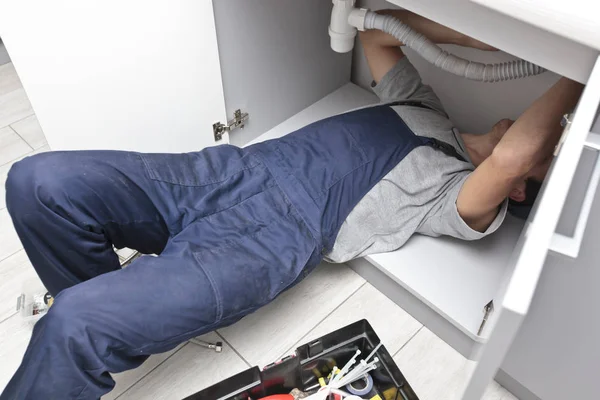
(35, 181)
(25, 177)
(73, 318)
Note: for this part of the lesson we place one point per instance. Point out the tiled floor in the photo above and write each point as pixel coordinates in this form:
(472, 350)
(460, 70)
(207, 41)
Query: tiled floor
(328, 299)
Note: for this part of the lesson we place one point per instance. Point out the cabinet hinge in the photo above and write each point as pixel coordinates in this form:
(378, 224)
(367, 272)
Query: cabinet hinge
(487, 311)
(238, 121)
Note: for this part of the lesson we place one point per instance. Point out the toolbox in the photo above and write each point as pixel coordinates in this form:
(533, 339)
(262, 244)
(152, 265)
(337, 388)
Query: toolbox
(311, 364)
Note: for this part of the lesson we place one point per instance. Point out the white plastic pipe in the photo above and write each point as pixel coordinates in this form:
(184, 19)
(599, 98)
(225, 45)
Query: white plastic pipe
(449, 62)
(341, 32)
(345, 20)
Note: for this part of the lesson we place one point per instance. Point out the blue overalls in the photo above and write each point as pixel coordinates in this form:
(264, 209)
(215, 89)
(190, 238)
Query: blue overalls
(233, 229)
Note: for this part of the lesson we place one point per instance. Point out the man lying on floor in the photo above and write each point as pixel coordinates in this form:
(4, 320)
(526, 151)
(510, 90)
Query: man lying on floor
(234, 227)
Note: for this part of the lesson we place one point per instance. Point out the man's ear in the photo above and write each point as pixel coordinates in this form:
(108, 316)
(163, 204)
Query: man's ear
(518, 192)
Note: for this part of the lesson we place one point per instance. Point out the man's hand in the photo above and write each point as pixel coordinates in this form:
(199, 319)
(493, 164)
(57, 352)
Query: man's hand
(383, 50)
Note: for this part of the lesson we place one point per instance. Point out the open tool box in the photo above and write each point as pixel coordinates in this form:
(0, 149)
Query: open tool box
(308, 369)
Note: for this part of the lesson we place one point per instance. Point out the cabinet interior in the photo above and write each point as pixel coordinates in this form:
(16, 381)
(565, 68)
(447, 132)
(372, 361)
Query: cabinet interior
(456, 279)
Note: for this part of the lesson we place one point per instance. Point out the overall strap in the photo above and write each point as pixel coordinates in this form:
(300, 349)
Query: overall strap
(444, 147)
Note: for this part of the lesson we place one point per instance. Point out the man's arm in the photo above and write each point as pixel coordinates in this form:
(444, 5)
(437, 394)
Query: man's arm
(383, 50)
(527, 143)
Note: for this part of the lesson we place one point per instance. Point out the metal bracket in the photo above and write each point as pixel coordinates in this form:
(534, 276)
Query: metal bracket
(565, 122)
(238, 121)
(218, 346)
(487, 311)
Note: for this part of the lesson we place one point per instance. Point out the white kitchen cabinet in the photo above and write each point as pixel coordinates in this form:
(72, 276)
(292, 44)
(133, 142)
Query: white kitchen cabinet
(156, 77)
(539, 236)
(555, 354)
(445, 283)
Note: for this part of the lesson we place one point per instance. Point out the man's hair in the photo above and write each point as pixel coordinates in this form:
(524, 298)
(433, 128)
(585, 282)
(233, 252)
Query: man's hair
(521, 209)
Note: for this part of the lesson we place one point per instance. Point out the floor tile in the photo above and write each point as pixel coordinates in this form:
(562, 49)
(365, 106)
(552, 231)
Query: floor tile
(264, 336)
(393, 325)
(127, 379)
(125, 254)
(496, 392)
(15, 272)
(9, 80)
(433, 369)
(11, 146)
(31, 131)
(173, 379)
(189, 370)
(14, 337)
(14, 106)
(9, 241)
(4, 173)
(437, 371)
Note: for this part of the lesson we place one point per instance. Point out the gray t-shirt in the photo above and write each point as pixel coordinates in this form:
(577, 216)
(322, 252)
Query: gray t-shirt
(419, 194)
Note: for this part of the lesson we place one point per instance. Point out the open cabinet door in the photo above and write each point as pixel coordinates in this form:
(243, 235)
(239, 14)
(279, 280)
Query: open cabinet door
(129, 75)
(539, 236)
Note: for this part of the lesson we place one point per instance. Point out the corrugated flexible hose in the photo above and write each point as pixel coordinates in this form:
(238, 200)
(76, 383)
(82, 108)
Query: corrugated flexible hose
(449, 62)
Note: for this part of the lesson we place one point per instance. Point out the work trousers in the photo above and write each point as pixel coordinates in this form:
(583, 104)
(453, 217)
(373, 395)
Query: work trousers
(227, 240)
(232, 229)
